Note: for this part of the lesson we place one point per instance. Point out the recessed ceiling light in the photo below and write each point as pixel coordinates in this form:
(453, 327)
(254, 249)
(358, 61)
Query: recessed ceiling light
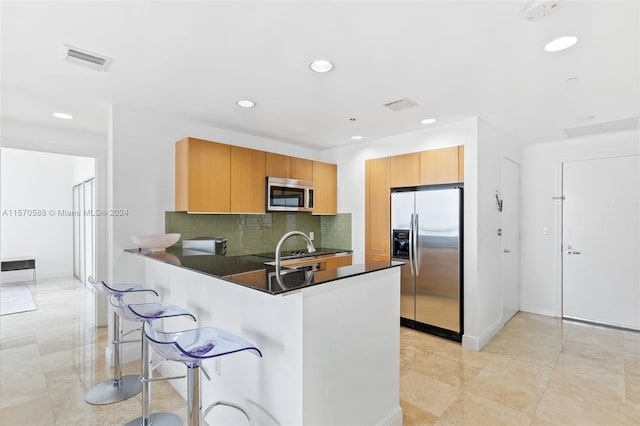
(356, 138)
(429, 121)
(62, 115)
(321, 65)
(246, 103)
(561, 43)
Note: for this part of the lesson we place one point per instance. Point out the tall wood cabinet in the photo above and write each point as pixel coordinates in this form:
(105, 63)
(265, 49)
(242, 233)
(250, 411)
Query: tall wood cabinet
(377, 210)
(432, 167)
(202, 179)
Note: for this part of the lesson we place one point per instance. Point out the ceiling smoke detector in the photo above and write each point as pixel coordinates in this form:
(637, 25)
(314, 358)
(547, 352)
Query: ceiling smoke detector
(401, 104)
(82, 57)
(540, 9)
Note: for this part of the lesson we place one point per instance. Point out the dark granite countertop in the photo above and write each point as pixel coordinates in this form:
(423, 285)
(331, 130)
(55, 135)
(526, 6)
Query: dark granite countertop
(253, 272)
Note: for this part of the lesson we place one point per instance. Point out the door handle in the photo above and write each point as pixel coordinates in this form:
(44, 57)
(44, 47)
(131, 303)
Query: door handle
(506, 251)
(572, 251)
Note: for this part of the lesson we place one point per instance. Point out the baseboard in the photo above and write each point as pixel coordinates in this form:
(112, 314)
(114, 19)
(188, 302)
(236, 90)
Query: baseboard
(540, 311)
(27, 276)
(476, 343)
(394, 418)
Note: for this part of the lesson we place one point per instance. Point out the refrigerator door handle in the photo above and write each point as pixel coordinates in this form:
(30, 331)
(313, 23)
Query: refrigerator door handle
(411, 245)
(416, 232)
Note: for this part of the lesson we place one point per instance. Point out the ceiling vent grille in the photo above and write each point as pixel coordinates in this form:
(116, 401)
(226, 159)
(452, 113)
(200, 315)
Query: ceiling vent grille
(401, 104)
(604, 127)
(82, 57)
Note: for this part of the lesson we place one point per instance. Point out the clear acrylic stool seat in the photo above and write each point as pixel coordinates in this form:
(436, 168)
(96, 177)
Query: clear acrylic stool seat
(119, 387)
(191, 347)
(142, 312)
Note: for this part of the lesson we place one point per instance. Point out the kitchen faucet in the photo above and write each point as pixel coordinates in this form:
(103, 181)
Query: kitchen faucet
(285, 237)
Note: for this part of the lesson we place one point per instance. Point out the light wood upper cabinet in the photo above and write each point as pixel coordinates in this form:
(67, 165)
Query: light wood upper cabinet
(325, 182)
(405, 170)
(212, 177)
(202, 179)
(247, 180)
(277, 165)
(439, 166)
(378, 209)
(461, 163)
(301, 169)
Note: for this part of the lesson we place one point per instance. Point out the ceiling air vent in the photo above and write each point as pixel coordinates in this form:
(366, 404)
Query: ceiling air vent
(85, 58)
(540, 9)
(604, 127)
(401, 104)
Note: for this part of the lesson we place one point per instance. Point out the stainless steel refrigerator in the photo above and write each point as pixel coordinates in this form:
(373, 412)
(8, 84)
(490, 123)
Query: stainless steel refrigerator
(426, 225)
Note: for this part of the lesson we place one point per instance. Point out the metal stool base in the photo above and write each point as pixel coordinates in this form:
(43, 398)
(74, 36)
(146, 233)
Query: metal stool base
(158, 419)
(108, 393)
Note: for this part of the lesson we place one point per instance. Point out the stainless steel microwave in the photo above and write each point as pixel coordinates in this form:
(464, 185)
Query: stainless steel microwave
(290, 195)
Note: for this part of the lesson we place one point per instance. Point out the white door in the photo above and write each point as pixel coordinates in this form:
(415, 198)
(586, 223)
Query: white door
(601, 256)
(510, 225)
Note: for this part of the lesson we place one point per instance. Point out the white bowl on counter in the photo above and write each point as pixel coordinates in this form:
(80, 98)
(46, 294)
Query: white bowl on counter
(156, 242)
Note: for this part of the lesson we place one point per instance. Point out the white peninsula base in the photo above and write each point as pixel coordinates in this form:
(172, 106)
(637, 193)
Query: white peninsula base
(330, 351)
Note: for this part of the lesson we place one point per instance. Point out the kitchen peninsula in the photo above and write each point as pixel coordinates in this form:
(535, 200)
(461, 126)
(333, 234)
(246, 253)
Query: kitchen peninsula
(330, 339)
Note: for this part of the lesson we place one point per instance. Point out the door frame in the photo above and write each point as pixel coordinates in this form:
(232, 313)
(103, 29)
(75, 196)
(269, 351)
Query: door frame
(507, 158)
(560, 219)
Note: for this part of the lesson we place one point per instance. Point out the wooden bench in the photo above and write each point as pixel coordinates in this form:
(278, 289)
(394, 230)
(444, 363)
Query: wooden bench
(19, 265)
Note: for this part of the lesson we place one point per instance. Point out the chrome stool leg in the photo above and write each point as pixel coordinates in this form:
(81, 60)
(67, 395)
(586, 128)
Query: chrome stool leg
(148, 419)
(119, 387)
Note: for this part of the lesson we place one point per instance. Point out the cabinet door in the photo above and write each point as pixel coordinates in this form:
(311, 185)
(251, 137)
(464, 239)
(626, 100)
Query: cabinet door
(378, 209)
(461, 163)
(277, 165)
(202, 176)
(325, 182)
(301, 169)
(439, 166)
(405, 170)
(334, 262)
(247, 180)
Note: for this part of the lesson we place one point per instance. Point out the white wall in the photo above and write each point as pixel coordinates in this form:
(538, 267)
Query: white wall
(28, 136)
(540, 181)
(351, 159)
(41, 182)
(483, 251)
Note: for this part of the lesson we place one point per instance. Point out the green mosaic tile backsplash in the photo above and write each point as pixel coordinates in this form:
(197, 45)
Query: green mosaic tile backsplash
(259, 233)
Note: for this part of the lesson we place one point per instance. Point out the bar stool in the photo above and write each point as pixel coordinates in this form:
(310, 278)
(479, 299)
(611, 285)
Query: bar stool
(119, 387)
(191, 347)
(142, 312)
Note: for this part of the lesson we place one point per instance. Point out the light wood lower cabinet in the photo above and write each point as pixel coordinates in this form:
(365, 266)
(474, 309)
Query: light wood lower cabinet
(247, 180)
(202, 178)
(377, 210)
(325, 182)
(331, 261)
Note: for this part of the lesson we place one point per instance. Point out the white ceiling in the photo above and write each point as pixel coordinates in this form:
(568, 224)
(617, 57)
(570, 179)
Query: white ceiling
(195, 59)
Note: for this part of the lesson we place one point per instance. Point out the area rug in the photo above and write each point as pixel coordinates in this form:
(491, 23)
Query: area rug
(16, 298)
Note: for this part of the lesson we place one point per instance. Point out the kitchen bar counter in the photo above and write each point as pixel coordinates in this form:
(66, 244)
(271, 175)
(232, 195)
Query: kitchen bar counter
(254, 271)
(331, 349)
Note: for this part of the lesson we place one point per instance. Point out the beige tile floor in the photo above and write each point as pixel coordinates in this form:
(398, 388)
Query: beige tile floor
(537, 371)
